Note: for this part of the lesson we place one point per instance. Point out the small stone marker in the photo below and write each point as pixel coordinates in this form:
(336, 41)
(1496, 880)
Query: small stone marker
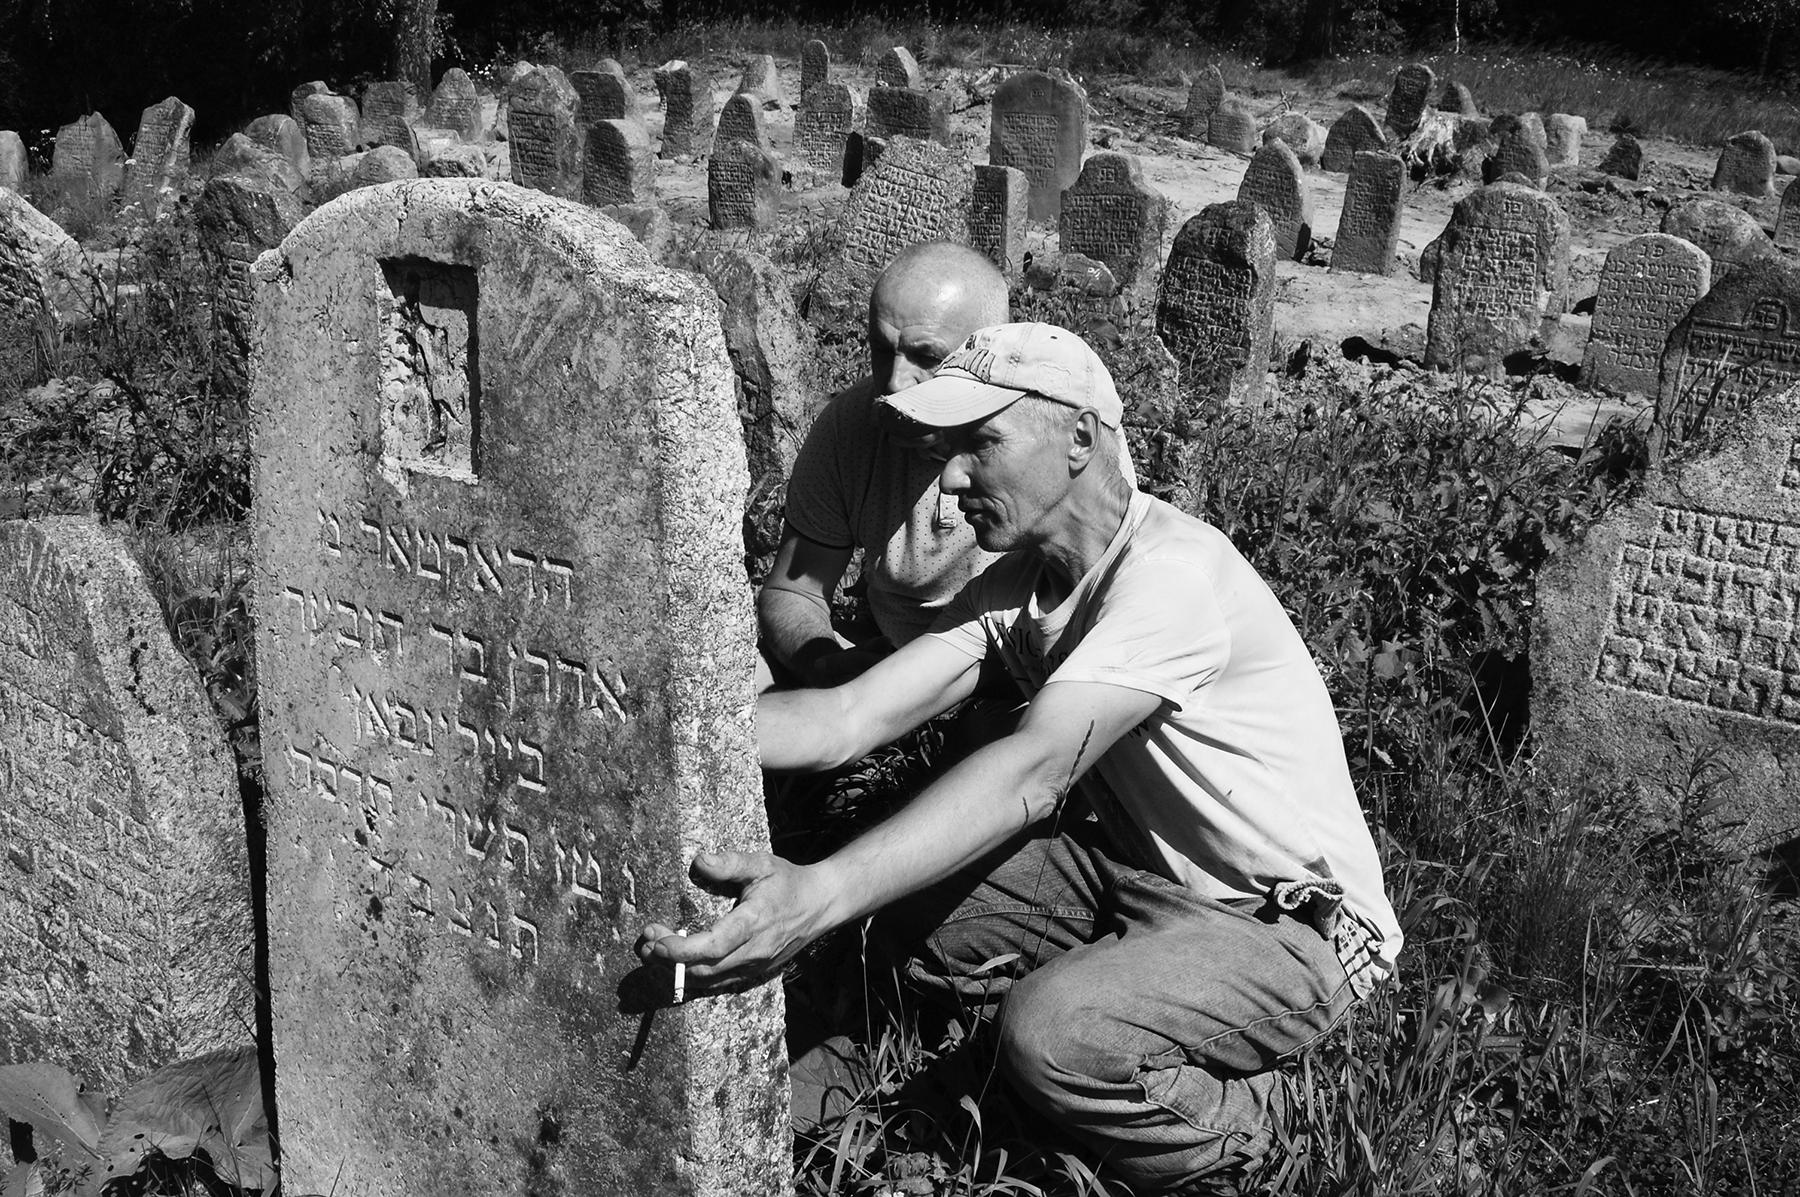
(741, 119)
(620, 166)
(1301, 134)
(915, 191)
(1736, 347)
(760, 82)
(239, 217)
(331, 123)
(1205, 94)
(743, 185)
(1503, 267)
(283, 135)
(1520, 150)
(1232, 128)
(815, 66)
(544, 134)
(505, 655)
(88, 154)
(1409, 96)
(1039, 125)
(898, 68)
(126, 934)
(1352, 133)
(1663, 645)
(456, 105)
(159, 154)
(999, 208)
(1729, 235)
(1562, 138)
(1369, 230)
(13, 163)
(687, 108)
(389, 107)
(1457, 99)
(1114, 217)
(826, 116)
(1746, 166)
(1646, 287)
(1215, 305)
(44, 276)
(297, 98)
(905, 112)
(1625, 159)
(1275, 183)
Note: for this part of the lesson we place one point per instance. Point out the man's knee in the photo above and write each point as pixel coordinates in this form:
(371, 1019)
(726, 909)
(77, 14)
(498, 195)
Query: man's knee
(1053, 1043)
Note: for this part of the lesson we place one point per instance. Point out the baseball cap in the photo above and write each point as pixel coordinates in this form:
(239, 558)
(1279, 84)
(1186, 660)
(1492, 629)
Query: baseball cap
(1000, 364)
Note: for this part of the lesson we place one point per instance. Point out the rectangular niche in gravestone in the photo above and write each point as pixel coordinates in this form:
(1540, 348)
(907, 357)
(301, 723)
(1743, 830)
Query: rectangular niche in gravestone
(1503, 267)
(1369, 228)
(1215, 303)
(999, 207)
(1664, 644)
(126, 934)
(1039, 125)
(1739, 345)
(506, 656)
(1647, 285)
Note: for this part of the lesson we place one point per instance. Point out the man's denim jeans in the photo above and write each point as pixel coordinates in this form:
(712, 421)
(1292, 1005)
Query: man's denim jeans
(1141, 1016)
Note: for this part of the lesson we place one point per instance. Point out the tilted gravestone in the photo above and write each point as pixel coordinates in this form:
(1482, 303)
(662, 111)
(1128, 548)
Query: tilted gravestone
(89, 156)
(456, 105)
(283, 135)
(1369, 230)
(1625, 159)
(605, 97)
(1350, 134)
(1562, 138)
(1730, 236)
(907, 112)
(1038, 123)
(999, 208)
(1301, 134)
(760, 82)
(239, 216)
(389, 107)
(1205, 94)
(159, 154)
(1114, 216)
(898, 68)
(1275, 183)
(743, 186)
(1520, 150)
(1215, 305)
(505, 654)
(1663, 645)
(1503, 267)
(1736, 347)
(297, 97)
(687, 108)
(44, 276)
(331, 123)
(1647, 285)
(13, 163)
(1746, 166)
(1232, 127)
(826, 116)
(126, 934)
(741, 119)
(815, 66)
(620, 164)
(544, 134)
(1409, 97)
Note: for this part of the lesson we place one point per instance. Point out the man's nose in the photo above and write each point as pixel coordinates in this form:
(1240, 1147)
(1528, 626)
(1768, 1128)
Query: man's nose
(953, 478)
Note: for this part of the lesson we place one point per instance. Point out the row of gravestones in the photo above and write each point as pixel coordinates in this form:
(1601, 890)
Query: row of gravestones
(90, 162)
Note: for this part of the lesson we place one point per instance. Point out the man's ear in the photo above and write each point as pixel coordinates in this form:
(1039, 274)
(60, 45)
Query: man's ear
(1084, 438)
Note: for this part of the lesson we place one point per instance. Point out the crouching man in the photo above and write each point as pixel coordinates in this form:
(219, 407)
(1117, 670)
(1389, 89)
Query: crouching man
(1224, 907)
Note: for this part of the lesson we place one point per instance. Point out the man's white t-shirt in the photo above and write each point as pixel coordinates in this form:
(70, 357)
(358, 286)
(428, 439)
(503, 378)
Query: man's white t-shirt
(1237, 786)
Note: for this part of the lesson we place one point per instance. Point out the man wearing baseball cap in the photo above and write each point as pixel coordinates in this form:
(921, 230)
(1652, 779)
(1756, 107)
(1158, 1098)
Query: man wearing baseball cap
(1222, 908)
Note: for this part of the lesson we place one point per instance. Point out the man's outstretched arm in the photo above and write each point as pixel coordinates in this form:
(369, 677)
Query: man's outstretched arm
(793, 611)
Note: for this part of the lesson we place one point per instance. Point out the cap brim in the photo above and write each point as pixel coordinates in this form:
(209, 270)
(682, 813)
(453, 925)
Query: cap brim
(950, 399)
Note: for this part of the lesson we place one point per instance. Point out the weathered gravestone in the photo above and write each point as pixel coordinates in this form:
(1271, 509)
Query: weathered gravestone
(44, 277)
(815, 66)
(272, 169)
(898, 68)
(826, 116)
(1646, 287)
(620, 164)
(13, 162)
(1039, 125)
(1787, 219)
(389, 108)
(1520, 150)
(383, 164)
(760, 82)
(1275, 183)
(1625, 159)
(126, 937)
(1503, 267)
(1664, 645)
(1350, 134)
(456, 105)
(297, 97)
(1369, 230)
(239, 216)
(1730, 236)
(88, 155)
(1205, 94)
(1113, 216)
(1301, 134)
(1456, 98)
(605, 97)
(741, 119)
(331, 123)
(907, 112)
(505, 655)
(999, 208)
(1736, 347)
(1746, 166)
(1215, 306)
(1562, 138)
(282, 135)
(687, 108)
(159, 154)
(1409, 97)
(544, 134)
(1232, 127)
(743, 186)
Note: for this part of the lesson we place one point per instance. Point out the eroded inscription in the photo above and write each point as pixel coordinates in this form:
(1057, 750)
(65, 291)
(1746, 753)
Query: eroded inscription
(1727, 367)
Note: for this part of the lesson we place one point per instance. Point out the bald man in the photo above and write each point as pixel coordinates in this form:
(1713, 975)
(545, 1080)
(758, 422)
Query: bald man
(861, 480)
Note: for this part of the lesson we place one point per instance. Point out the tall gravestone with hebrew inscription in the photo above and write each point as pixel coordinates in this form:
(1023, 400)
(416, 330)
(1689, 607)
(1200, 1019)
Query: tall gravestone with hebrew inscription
(1215, 304)
(1664, 644)
(907, 112)
(605, 97)
(1409, 97)
(544, 133)
(1503, 267)
(1746, 166)
(825, 118)
(1205, 94)
(999, 209)
(743, 185)
(331, 123)
(1730, 236)
(815, 66)
(687, 108)
(506, 659)
(619, 164)
(898, 68)
(1735, 348)
(88, 155)
(1368, 231)
(1114, 216)
(1232, 127)
(741, 119)
(1275, 182)
(1038, 123)
(456, 105)
(159, 154)
(126, 934)
(1647, 285)
(760, 82)
(389, 107)
(1350, 134)
(13, 163)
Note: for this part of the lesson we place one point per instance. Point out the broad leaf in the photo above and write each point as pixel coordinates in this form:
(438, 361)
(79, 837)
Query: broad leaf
(212, 1103)
(50, 1099)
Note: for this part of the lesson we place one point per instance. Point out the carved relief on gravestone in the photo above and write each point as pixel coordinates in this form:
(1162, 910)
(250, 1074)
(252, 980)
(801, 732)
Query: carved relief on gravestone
(1409, 96)
(620, 166)
(1232, 127)
(1646, 287)
(1350, 134)
(1205, 94)
(1746, 166)
(1275, 183)
(388, 109)
(1664, 644)
(815, 66)
(1736, 347)
(741, 119)
(1730, 236)
(544, 134)
(126, 937)
(687, 108)
(605, 97)
(999, 208)
(826, 116)
(1368, 232)
(1114, 216)
(456, 105)
(743, 186)
(331, 123)
(898, 68)
(13, 163)
(89, 156)
(1038, 123)
(1503, 267)
(505, 654)
(1562, 138)
(904, 112)
(159, 154)
(1215, 304)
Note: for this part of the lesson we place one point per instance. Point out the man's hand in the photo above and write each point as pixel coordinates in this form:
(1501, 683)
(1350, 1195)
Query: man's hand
(781, 908)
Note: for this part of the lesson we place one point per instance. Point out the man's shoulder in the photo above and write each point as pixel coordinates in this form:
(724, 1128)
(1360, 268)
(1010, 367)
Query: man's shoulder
(856, 400)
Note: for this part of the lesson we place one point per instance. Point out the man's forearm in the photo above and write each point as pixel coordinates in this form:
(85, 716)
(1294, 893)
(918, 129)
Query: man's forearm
(796, 627)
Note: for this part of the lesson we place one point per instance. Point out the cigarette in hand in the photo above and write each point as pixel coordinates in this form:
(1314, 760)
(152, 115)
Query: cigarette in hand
(680, 975)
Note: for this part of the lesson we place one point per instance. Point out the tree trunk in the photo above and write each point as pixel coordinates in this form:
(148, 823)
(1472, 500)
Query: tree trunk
(1318, 30)
(1768, 45)
(415, 43)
